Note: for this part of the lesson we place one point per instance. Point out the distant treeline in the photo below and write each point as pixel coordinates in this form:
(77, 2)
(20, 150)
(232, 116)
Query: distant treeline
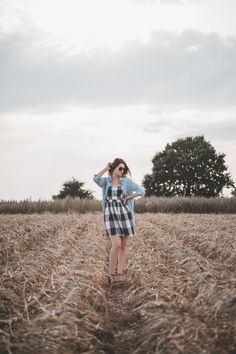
(142, 205)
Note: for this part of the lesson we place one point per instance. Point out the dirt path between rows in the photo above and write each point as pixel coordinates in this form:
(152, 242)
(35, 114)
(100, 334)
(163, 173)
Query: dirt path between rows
(122, 322)
(122, 325)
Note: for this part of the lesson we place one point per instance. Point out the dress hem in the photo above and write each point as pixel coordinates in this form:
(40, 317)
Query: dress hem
(131, 235)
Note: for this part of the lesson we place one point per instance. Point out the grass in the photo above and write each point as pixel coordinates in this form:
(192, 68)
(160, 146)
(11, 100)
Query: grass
(179, 295)
(142, 205)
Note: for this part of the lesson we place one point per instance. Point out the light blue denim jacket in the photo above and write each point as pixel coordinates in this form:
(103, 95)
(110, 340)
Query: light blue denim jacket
(128, 187)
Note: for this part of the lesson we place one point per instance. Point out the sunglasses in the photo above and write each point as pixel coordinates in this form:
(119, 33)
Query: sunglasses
(121, 168)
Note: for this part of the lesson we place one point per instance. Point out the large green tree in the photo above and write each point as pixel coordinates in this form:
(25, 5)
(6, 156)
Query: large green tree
(188, 166)
(73, 189)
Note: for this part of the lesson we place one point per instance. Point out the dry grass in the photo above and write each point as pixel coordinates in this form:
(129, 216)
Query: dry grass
(186, 205)
(179, 296)
(29, 206)
(152, 204)
(189, 264)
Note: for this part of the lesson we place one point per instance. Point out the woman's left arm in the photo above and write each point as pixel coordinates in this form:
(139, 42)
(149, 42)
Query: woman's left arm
(134, 195)
(136, 188)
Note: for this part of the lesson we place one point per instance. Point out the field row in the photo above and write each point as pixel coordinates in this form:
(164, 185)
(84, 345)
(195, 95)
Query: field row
(179, 295)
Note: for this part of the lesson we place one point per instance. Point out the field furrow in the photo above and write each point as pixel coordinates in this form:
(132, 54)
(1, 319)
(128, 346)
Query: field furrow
(178, 296)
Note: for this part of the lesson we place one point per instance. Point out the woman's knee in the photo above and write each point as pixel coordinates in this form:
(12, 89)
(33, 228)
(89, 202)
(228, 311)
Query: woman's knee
(116, 242)
(124, 244)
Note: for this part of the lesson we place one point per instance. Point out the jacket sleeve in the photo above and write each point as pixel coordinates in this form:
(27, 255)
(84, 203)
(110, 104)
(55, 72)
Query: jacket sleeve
(99, 180)
(136, 188)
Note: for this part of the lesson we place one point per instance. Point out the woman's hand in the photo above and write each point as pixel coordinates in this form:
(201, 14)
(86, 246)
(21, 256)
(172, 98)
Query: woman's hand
(125, 199)
(108, 166)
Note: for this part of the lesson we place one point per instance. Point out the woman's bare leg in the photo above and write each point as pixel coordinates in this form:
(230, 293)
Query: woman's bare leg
(122, 255)
(115, 248)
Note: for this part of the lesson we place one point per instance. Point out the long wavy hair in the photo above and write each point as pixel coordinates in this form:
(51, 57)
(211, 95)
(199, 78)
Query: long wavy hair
(115, 163)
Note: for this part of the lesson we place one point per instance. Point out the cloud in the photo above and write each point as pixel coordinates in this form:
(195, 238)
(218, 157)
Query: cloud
(178, 2)
(219, 126)
(219, 131)
(182, 2)
(186, 69)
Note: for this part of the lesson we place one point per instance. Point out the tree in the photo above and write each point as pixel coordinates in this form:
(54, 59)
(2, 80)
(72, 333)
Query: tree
(233, 192)
(73, 189)
(188, 166)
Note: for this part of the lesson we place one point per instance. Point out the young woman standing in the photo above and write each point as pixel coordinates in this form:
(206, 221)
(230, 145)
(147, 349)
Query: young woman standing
(118, 212)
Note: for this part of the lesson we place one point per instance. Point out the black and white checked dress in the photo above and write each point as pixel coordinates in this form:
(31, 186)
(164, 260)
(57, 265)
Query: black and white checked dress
(117, 216)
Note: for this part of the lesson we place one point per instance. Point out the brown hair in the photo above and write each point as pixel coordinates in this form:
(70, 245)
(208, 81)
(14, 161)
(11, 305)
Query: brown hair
(115, 163)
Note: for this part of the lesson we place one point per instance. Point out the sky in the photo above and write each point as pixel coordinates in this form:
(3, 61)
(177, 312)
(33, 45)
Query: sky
(84, 82)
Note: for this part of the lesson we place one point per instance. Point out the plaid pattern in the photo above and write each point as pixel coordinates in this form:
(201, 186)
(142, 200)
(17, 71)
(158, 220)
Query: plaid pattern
(117, 216)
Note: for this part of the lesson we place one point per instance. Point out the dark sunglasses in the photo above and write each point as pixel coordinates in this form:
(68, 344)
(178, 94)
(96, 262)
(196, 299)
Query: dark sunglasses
(121, 168)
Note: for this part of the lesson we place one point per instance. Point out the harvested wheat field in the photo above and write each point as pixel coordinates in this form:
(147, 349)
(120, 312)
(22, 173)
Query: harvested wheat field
(179, 295)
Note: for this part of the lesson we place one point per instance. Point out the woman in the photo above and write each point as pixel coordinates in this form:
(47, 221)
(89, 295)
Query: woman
(118, 212)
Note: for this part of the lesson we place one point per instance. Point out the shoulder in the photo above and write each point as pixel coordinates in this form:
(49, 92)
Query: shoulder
(125, 179)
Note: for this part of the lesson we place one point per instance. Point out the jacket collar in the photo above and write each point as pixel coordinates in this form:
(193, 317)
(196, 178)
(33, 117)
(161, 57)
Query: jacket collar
(121, 179)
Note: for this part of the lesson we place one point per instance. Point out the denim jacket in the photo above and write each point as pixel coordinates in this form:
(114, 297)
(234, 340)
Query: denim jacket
(128, 187)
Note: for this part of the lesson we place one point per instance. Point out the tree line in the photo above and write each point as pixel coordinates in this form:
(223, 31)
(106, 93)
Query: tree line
(186, 167)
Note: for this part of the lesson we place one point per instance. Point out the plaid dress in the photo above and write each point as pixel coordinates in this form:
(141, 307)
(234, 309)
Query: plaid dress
(117, 216)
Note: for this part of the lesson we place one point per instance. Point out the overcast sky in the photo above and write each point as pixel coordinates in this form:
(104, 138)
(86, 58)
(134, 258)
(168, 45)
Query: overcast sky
(83, 82)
